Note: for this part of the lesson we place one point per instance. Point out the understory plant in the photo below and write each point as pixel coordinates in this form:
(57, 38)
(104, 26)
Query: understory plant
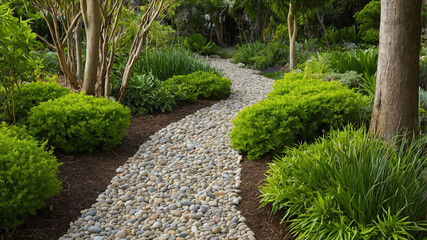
(27, 176)
(350, 185)
(260, 56)
(76, 122)
(198, 43)
(297, 109)
(145, 94)
(207, 85)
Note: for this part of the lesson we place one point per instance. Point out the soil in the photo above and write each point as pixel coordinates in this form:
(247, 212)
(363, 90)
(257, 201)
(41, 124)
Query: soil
(85, 175)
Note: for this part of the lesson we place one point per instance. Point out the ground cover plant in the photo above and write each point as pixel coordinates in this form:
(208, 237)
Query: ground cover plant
(206, 85)
(27, 176)
(350, 185)
(76, 122)
(297, 109)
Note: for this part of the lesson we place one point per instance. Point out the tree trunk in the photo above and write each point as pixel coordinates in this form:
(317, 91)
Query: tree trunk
(325, 32)
(396, 95)
(92, 20)
(79, 61)
(292, 20)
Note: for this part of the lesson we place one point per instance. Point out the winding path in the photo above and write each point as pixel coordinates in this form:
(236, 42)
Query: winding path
(184, 182)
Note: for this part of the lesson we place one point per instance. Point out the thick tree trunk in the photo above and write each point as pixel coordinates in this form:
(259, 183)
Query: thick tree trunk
(293, 31)
(92, 19)
(396, 95)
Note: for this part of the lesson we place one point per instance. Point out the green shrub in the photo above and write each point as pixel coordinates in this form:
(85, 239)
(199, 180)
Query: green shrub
(260, 56)
(199, 84)
(362, 61)
(166, 63)
(27, 176)
(145, 94)
(77, 122)
(298, 109)
(346, 34)
(423, 72)
(32, 94)
(351, 79)
(198, 43)
(368, 20)
(351, 186)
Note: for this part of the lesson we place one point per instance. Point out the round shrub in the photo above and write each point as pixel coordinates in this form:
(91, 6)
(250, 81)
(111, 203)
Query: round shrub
(296, 110)
(208, 85)
(351, 186)
(77, 122)
(27, 176)
(32, 94)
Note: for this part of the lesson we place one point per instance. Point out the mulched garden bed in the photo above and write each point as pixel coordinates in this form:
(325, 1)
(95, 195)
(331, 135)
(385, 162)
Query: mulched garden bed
(86, 175)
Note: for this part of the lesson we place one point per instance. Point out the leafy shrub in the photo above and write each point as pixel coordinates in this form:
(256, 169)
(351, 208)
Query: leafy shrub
(198, 43)
(352, 79)
(199, 84)
(351, 186)
(32, 94)
(145, 95)
(317, 65)
(51, 62)
(77, 122)
(423, 72)
(166, 63)
(368, 20)
(362, 61)
(27, 176)
(259, 56)
(298, 109)
(346, 34)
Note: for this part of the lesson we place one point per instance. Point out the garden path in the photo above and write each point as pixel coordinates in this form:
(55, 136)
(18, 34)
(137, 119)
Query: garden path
(184, 182)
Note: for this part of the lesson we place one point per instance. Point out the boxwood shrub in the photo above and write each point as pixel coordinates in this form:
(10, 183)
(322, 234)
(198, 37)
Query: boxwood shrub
(27, 176)
(351, 186)
(208, 85)
(77, 122)
(32, 94)
(298, 109)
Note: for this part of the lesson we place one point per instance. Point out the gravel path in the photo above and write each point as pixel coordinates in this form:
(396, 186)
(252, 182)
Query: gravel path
(184, 182)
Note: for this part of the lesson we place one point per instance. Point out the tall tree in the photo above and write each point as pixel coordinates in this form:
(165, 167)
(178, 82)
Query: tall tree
(396, 96)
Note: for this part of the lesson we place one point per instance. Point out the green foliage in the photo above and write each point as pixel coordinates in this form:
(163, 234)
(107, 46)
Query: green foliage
(298, 109)
(145, 95)
(346, 34)
(166, 63)
(18, 62)
(352, 79)
(32, 94)
(423, 71)
(51, 62)
(77, 122)
(368, 20)
(198, 43)
(317, 65)
(260, 56)
(362, 61)
(351, 186)
(199, 84)
(27, 176)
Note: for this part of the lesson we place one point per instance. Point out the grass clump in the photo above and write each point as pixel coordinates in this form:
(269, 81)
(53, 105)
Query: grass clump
(351, 186)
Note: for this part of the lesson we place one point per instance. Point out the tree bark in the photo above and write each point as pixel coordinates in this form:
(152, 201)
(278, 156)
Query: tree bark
(396, 95)
(325, 32)
(79, 61)
(92, 19)
(293, 31)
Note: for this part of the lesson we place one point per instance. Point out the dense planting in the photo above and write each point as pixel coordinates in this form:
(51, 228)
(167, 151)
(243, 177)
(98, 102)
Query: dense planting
(298, 109)
(77, 122)
(351, 186)
(27, 176)
(260, 56)
(32, 94)
(199, 84)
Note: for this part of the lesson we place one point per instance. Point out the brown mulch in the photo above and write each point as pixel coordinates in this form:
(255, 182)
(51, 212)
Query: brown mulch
(86, 175)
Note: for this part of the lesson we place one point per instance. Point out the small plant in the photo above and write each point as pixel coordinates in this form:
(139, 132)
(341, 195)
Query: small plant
(346, 34)
(352, 79)
(260, 56)
(77, 122)
(198, 43)
(166, 63)
(351, 186)
(32, 94)
(27, 176)
(199, 84)
(145, 95)
(362, 61)
(298, 109)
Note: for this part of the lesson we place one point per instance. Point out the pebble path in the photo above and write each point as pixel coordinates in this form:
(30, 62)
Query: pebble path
(184, 182)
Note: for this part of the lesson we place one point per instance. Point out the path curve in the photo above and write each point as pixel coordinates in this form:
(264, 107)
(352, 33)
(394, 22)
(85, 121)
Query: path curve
(184, 182)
